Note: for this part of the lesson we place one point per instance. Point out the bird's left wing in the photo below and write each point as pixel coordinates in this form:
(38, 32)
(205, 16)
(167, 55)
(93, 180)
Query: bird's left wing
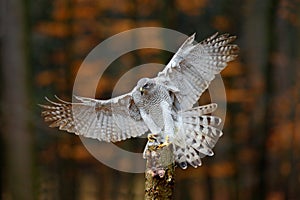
(194, 66)
(106, 120)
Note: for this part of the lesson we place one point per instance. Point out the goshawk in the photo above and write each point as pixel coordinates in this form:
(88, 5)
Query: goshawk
(162, 105)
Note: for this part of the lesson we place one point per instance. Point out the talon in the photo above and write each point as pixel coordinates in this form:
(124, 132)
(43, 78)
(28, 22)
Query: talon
(166, 142)
(152, 137)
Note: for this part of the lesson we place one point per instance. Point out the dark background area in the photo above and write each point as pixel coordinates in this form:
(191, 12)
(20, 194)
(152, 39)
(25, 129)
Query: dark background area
(43, 43)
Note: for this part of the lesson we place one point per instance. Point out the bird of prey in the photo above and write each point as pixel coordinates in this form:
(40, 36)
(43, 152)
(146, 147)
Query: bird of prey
(162, 105)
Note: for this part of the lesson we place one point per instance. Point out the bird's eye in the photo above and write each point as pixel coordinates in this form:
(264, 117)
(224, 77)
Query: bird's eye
(146, 86)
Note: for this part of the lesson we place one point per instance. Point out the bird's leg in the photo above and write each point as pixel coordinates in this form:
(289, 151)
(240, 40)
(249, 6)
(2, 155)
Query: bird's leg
(168, 132)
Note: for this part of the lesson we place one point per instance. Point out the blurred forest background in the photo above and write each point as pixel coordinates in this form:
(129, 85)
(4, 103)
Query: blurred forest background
(43, 43)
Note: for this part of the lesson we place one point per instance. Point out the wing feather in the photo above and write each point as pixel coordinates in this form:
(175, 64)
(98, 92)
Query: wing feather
(194, 66)
(106, 120)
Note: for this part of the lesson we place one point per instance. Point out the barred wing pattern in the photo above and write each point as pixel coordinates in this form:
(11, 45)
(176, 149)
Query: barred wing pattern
(110, 120)
(194, 66)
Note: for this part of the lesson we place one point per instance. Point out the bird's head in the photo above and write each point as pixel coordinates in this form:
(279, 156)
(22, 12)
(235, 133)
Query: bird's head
(145, 86)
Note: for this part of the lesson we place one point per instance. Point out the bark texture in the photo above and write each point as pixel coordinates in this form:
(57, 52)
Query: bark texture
(160, 172)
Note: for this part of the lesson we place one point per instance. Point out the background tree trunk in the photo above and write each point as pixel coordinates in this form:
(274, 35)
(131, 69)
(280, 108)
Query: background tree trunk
(17, 138)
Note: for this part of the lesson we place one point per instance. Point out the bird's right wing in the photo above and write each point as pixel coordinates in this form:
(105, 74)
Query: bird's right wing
(106, 120)
(194, 66)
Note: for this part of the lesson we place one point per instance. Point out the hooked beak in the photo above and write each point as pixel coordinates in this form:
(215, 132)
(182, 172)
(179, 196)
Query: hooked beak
(142, 90)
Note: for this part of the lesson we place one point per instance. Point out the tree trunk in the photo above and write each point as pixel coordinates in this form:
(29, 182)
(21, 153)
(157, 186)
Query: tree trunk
(160, 172)
(17, 138)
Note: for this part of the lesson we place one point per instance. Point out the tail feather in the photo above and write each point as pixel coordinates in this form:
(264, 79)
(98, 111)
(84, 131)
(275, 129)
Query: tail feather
(196, 136)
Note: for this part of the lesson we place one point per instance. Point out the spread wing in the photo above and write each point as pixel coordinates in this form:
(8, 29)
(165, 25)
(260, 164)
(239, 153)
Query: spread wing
(194, 66)
(106, 120)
